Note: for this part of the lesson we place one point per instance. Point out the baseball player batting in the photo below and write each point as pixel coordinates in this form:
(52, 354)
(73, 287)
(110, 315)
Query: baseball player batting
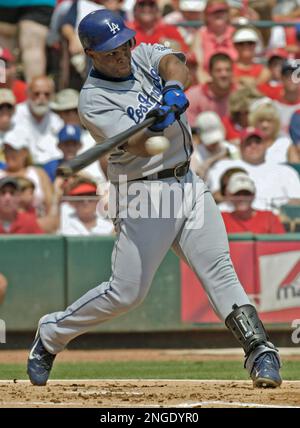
(125, 86)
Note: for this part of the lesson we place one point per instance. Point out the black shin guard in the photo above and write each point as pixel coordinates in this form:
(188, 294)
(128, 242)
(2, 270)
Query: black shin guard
(246, 326)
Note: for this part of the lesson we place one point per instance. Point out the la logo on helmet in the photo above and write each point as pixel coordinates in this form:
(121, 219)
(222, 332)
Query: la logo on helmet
(113, 27)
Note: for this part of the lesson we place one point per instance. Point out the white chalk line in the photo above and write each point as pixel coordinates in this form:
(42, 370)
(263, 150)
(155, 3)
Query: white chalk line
(234, 404)
(181, 405)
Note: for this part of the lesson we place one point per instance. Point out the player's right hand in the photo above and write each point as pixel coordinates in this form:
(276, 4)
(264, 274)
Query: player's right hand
(165, 116)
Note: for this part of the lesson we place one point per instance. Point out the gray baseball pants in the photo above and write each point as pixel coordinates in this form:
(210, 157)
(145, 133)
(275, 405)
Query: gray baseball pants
(199, 237)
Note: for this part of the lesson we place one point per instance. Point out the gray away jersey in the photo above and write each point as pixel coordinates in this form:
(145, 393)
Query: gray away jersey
(107, 108)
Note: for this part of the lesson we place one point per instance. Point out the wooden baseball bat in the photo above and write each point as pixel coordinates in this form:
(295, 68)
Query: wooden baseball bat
(94, 153)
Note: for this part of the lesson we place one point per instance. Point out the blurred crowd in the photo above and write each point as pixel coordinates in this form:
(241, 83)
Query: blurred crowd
(244, 109)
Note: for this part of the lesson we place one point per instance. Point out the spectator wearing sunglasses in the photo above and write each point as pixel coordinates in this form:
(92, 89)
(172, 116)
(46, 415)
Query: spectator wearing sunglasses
(41, 124)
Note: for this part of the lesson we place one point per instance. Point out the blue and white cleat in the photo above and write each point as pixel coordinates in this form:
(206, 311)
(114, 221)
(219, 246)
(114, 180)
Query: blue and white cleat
(39, 362)
(265, 372)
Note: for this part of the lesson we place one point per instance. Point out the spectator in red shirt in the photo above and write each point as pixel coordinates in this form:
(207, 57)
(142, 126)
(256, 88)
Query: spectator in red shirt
(245, 68)
(17, 86)
(240, 193)
(273, 87)
(212, 96)
(150, 27)
(215, 36)
(12, 221)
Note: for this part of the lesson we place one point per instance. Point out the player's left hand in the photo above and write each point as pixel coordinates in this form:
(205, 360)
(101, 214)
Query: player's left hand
(173, 95)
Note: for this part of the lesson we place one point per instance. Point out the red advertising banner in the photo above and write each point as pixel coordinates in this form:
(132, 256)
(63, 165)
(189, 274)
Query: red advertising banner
(278, 280)
(268, 270)
(195, 305)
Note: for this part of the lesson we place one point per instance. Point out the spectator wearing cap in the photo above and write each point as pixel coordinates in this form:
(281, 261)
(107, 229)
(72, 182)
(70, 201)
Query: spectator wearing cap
(294, 130)
(12, 221)
(273, 87)
(289, 101)
(210, 146)
(264, 116)
(17, 86)
(214, 37)
(7, 108)
(41, 124)
(239, 107)
(214, 95)
(188, 10)
(244, 218)
(69, 144)
(245, 68)
(220, 196)
(150, 28)
(49, 223)
(18, 164)
(65, 104)
(85, 219)
(275, 184)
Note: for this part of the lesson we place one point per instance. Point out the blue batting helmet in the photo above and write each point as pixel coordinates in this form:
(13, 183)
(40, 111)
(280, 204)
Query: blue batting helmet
(103, 30)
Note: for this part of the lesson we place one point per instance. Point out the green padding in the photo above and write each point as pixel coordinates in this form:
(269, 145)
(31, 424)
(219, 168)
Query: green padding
(34, 267)
(285, 237)
(241, 236)
(89, 264)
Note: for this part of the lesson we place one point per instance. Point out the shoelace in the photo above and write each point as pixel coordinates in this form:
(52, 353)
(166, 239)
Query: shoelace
(269, 358)
(45, 358)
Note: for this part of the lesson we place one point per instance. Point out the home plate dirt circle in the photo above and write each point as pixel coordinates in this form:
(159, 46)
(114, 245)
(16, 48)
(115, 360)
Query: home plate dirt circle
(147, 393)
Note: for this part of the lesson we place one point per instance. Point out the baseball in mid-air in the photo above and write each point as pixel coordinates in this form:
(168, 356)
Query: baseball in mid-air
(156, 145)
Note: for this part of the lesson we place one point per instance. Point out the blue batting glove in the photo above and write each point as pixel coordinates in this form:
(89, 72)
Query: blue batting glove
(173, 95)
(165, 117)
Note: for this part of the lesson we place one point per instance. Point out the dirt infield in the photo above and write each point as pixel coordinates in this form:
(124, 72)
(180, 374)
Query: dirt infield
(146, 393)
(142, 393)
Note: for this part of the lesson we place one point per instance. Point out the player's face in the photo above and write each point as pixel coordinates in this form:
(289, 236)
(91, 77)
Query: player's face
(114, 63)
